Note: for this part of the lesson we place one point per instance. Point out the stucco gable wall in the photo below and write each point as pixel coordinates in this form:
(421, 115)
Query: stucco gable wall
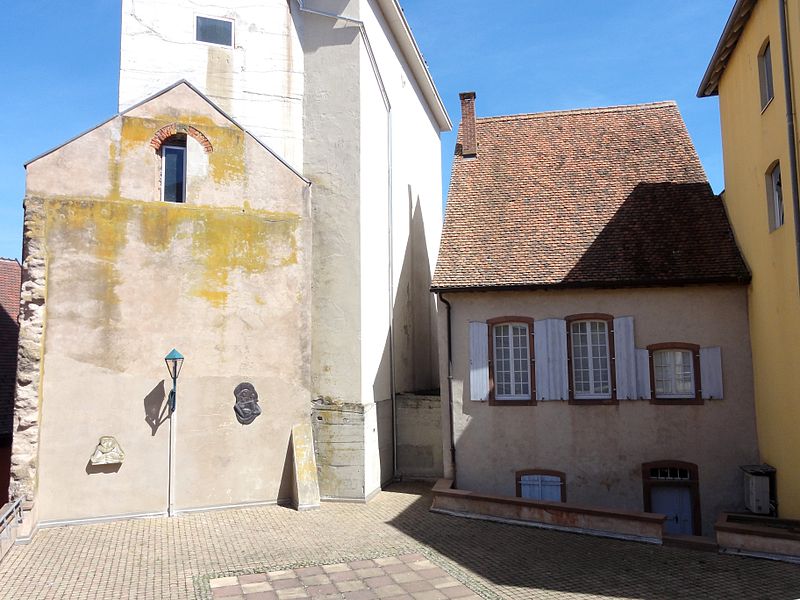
(116, 160)
(120, 278)
(601, 448)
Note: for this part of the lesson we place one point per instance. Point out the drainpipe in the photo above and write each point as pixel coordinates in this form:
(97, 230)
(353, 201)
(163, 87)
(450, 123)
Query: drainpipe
(790, 130)
(390, 228)
(450, 388)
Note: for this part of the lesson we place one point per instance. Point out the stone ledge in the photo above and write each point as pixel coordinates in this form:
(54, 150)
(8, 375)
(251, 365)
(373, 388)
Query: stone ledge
(631, 525)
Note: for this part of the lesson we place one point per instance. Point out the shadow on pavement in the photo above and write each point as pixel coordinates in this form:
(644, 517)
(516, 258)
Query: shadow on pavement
(523, 560)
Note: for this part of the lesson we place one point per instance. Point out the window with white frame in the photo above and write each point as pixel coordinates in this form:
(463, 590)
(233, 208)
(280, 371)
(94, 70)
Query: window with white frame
(591, 372)
(774, 196)
(173, 169)
(674, 373)
(512, 368)
(765, 76)
(541, 485)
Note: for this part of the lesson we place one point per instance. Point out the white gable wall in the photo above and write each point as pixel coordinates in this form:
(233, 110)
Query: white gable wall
(259, 82)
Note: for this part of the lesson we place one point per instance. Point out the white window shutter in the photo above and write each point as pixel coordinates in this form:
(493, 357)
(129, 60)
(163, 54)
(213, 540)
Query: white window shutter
(711, 373)
(625, 358)
(478, 361)
(550, 352)
(642, 373)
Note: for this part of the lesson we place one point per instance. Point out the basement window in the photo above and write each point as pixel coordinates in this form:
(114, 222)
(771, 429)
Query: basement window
(173, 169)
(214, 31)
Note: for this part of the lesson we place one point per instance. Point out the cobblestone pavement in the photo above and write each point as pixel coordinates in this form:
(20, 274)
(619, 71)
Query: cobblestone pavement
(178, 557)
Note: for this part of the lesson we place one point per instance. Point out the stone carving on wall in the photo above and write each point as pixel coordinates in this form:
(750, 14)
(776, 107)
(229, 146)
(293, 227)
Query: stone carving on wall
(246, 407)
(108, 452)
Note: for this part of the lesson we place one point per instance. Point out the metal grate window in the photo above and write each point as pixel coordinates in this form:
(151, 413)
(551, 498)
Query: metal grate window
(670, 474)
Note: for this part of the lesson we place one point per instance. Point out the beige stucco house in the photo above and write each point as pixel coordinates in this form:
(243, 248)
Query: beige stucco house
(596, 319)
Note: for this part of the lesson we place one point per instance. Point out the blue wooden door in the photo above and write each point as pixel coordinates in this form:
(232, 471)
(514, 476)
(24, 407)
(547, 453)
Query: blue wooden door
(676, 503)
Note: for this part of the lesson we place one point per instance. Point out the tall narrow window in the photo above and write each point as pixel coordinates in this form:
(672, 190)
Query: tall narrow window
(511, 362)
(774, 197)
(214, 31)
(765, 76)
(173, 169)
(510, 353)
(591, 364)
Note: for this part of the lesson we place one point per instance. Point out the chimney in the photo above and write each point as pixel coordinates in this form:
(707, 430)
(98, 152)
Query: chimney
(469, 144)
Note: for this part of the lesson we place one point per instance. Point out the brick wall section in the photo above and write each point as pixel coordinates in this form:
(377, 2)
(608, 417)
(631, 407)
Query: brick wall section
(167, 132)
(469, 142)
(10, 272)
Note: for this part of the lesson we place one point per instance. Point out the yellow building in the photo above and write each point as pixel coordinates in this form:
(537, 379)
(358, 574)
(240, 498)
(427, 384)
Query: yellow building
(752, 72)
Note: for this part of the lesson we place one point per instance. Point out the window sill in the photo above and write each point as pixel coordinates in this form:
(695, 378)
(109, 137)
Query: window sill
(593, 401)
(766, 106)
(677, 401)
(493, 402)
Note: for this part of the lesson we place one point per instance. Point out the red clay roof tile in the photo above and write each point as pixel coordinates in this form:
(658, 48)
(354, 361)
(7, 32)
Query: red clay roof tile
(609, 197)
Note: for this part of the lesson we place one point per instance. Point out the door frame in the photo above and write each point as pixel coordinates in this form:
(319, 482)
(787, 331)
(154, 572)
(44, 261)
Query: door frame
(692, 484)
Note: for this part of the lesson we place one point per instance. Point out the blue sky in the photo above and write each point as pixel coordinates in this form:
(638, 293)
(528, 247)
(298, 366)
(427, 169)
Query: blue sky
(60, 73)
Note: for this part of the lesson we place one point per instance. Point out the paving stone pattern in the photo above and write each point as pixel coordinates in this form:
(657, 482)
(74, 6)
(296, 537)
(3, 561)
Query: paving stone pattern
(409, 576)
(180, 557)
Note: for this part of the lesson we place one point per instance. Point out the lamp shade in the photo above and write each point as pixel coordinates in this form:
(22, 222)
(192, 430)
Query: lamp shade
(174, 362)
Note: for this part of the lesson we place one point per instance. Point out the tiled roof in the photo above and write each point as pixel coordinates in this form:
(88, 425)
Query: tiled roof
(737, 20)
(610, 197)
(10, 273)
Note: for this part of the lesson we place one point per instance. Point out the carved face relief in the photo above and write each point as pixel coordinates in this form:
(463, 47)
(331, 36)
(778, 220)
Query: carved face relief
(246, 407)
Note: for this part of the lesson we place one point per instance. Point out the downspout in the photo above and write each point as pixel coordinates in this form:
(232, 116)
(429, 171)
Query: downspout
(790, 129)
(450, 388)
(390, 228)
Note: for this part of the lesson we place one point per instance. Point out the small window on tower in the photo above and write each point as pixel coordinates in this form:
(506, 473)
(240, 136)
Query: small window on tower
(214, 31)
(173, 169)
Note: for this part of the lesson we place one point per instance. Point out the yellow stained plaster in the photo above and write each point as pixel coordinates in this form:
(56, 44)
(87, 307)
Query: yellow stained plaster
(220, 240)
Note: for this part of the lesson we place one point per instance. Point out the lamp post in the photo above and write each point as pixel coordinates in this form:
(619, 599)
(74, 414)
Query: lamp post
(174, 362)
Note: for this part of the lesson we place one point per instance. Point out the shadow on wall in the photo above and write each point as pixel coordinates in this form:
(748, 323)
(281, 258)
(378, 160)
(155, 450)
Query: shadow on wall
(638, 243)
(414, 325)
(335, 34)
(156, 409)
(9, 339)
(530, 559)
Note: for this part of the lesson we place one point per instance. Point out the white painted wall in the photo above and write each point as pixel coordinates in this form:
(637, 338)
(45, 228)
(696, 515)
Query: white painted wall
(259, 81)
(415, 163)
(416, 188)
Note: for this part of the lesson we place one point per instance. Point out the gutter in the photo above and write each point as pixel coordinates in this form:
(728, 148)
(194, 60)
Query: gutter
(450, 386)
(390, 209)
(790, 129)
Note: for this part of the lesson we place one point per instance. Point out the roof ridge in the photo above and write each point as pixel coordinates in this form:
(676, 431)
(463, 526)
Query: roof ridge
(583, 111)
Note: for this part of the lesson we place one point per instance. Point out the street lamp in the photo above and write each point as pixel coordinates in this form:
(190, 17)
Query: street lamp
(174, 362)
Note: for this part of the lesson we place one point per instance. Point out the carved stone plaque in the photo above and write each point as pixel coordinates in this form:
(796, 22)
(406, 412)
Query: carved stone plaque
(108, 452)
(246, 407)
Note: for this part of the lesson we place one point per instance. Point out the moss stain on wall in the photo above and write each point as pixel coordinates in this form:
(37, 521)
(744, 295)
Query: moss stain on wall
(220, 240)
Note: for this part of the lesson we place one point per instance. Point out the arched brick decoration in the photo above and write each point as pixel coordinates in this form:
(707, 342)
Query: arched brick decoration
(175, 128)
